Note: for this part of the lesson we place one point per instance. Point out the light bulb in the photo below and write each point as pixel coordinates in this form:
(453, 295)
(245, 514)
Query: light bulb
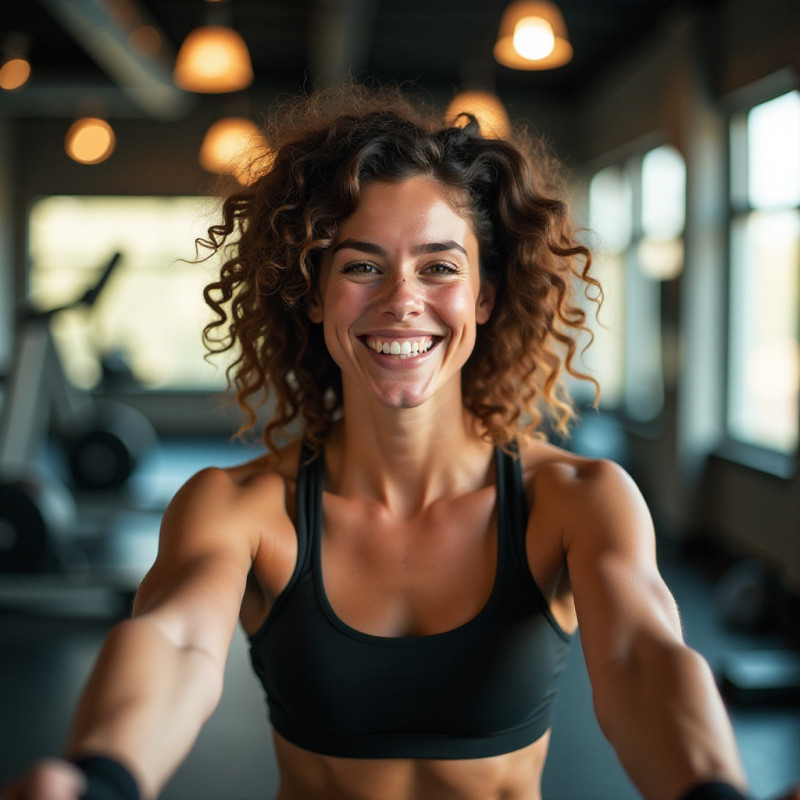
(14, 73)
(90, 140)
(534, 38)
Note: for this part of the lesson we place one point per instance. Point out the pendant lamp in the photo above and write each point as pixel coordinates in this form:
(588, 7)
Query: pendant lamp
(15, 69)
(234, 146)
(532, 36)
(90, 140)
(485, 106)
(213, 58)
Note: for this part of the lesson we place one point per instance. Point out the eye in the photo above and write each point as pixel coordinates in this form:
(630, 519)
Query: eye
(442, 269)
(359, 268)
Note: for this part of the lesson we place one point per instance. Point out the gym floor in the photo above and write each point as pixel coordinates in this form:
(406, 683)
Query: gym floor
(51, 627)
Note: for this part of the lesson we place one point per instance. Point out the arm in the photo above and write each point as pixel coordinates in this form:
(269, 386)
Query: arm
(655, 698)
(159, 675)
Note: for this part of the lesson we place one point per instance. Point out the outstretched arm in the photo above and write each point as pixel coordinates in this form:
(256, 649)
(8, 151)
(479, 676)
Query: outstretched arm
(655, 698)
(159, 675)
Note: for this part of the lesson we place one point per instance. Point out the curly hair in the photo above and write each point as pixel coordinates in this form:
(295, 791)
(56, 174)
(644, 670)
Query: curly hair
(323, 149)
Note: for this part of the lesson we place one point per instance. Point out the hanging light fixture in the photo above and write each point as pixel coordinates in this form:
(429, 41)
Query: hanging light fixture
(15, 68)
(213, 58)
(234, 146)
(532, 36)
(90, 140)
(485, 106)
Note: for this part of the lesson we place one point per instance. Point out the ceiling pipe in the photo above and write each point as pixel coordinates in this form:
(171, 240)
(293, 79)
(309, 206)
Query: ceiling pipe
(103, 31)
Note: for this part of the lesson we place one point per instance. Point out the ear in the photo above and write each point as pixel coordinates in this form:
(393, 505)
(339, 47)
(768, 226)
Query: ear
(314, 309)
(485, 305)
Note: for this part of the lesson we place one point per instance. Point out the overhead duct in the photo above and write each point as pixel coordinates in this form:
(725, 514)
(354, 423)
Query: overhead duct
(103, 29)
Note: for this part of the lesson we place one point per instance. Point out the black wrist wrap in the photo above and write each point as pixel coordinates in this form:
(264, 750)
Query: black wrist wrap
(713, 790)
(106, 779)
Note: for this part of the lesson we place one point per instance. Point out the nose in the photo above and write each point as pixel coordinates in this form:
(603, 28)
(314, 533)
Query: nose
(401, 298)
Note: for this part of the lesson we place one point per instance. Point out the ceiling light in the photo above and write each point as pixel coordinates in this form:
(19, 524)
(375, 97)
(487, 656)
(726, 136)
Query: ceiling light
(486, 107)
(16, 68)
(532, 36)
(90, 140)
(14, 73)
(234, 146)
(213, 58)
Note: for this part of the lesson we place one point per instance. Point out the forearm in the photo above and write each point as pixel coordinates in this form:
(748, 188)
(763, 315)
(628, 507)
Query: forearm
(663, 714)
(145, 702)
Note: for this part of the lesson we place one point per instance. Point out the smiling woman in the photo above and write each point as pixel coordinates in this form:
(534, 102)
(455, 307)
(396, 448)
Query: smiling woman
(410, 569)
(337, 148)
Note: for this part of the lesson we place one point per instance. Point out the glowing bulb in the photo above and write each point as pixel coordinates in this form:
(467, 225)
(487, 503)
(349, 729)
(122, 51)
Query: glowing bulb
(14, 73)
(90, 140)
(534, 38)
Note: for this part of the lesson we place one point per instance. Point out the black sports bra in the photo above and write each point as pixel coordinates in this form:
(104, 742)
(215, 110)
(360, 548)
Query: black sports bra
(482, 689)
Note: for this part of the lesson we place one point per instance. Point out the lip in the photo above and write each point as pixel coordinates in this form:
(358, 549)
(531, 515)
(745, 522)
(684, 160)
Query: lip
(405, 333)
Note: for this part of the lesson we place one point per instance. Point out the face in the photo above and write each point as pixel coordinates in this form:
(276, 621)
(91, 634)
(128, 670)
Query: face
(400, 294)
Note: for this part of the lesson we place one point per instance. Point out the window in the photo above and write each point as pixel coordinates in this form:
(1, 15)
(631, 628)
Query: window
(638, 210)
(152, 311)
(610, 216)
(764, 310)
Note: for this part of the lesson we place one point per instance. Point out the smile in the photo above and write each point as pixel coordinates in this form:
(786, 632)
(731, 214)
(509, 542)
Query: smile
(402, 348)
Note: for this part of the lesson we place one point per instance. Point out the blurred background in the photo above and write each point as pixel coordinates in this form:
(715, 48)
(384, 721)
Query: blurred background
(122, 124)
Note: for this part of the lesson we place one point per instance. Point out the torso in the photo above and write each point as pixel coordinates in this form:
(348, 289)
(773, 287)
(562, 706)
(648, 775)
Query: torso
(411, 577)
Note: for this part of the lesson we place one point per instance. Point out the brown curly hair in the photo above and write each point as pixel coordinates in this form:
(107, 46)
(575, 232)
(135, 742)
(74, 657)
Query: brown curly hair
(323, 149)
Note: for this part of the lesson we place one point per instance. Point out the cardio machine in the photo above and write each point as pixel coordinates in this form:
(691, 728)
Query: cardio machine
(103, 443)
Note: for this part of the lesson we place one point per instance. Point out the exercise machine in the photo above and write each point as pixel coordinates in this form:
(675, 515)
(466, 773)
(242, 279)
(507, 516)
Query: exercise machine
(103, 443)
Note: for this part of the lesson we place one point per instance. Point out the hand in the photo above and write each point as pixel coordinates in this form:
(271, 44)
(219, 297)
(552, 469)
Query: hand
(49, 779)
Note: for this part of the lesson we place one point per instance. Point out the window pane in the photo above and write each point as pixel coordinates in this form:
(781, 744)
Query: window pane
(610, 208)
(764, 352)
(773, 153)
(152, 311)
(663, 193)
(604, 359)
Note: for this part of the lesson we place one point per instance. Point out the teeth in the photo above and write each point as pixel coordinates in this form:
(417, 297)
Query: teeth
(404, 348)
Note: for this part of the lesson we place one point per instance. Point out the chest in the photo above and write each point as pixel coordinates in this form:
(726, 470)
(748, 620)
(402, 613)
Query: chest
(419, 576)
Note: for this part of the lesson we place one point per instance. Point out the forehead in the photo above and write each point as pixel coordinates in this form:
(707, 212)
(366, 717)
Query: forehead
(419, 205)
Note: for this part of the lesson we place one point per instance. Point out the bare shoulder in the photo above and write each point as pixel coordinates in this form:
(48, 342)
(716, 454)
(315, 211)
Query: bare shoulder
(585, 497)
(220, 523)
(227, 490)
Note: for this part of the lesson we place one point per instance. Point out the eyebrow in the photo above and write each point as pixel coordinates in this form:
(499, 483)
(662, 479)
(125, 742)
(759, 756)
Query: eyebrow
(376, 249)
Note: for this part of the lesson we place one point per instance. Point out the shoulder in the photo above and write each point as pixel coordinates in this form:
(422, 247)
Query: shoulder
(245, 497)
(586, 498)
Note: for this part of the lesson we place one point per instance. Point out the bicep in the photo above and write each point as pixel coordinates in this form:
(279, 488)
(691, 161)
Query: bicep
(622, 602)
(194, 589)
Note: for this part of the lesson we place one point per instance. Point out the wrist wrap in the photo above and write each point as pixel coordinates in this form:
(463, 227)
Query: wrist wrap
(713, 790)
(106, 779)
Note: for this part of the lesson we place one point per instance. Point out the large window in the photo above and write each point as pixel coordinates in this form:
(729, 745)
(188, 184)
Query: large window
(151, 313)
(764, 355)
(638, 211)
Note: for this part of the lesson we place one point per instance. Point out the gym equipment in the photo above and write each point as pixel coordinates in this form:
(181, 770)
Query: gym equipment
(104, 443)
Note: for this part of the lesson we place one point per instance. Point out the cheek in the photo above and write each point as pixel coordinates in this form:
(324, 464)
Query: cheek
(342, 308)
(457, 304)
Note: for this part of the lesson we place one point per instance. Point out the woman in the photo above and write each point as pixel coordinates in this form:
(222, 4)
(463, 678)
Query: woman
(411, 568)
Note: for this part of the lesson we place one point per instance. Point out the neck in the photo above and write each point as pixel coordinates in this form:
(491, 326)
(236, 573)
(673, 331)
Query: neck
(407, 458)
